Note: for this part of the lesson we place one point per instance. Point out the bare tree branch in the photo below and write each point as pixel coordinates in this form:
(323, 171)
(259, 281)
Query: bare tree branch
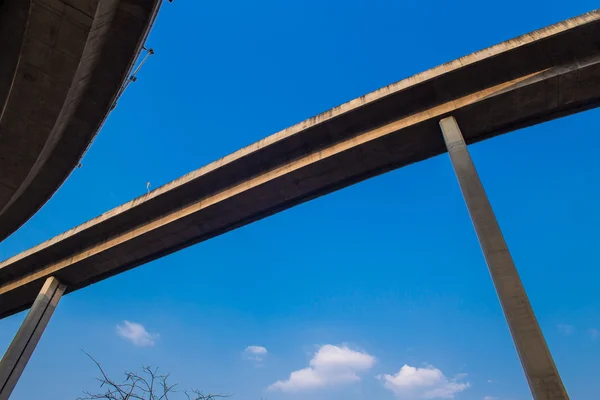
(195, 394)
(150, 385)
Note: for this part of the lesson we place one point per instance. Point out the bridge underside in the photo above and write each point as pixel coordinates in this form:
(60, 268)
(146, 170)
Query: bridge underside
(62, 64)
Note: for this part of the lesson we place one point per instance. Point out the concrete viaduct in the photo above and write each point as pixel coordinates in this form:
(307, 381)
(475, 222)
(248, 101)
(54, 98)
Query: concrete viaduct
(62, 65)
(546, 74)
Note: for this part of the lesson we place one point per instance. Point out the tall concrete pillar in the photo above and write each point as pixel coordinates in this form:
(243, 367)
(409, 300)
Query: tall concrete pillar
(16, 357)
(541, 373)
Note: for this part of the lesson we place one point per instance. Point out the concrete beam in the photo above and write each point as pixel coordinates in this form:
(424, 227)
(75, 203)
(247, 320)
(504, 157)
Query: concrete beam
(541, 373)
(16, 357)
(537, 77)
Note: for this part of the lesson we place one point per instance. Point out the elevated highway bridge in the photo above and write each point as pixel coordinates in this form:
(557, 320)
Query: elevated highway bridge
(546, 74)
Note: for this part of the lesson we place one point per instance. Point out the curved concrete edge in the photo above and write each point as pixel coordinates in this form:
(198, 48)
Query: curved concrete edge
(14, 15)
(115, 40)
(14, 19)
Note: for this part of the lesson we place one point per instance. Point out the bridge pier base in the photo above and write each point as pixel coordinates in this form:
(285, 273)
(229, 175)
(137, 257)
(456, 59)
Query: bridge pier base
(16, 357)
(543, 378)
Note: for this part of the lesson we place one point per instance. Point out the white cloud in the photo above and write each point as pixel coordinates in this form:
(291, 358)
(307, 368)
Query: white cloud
(566, 329)
(260, 350)
(330, 365)
(137, 334)
(489, 398)
(255, 353)
(412, 383)
(594, 333)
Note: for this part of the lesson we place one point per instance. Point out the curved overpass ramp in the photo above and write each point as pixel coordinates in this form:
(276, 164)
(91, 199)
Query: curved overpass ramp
(534, 78)
(62, 64)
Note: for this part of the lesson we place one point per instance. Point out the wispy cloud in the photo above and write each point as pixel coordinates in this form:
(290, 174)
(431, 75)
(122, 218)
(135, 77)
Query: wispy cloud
(566, 329)
(412, 383)
(256, 353)
(594, 333)
(489, 398)
(330, 365)
(137, 334)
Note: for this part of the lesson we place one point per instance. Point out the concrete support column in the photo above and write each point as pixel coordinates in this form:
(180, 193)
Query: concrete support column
(16, 357)
(541, 373)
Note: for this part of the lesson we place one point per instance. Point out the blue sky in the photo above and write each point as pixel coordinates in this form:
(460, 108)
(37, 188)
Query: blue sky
(349, 288)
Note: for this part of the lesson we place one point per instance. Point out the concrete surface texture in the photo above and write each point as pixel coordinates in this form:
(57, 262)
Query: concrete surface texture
(62, 62)
(539, 76)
